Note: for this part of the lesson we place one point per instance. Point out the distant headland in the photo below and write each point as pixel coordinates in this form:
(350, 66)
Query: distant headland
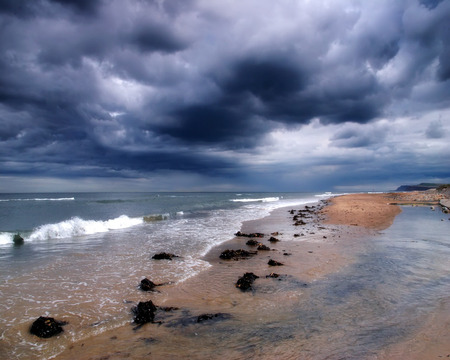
(422, 187)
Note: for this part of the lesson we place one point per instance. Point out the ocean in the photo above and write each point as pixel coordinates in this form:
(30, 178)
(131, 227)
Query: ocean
(84, 254)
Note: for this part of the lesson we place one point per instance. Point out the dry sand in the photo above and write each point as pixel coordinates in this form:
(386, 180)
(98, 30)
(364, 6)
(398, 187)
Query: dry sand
(372, 211)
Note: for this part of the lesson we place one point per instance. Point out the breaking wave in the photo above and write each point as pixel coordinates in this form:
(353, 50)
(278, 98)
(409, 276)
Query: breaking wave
(267, 199)
(41, 199)
(80, 227)
(6, 238)
(329, 195)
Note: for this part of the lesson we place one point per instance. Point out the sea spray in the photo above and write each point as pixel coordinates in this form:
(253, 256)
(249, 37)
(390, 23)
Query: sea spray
(6, 238)
(267, 199)
(39, 199)
(79, 227)
(88, 279)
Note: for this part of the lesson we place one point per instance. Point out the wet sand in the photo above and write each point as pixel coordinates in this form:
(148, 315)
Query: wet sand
(377, 211)
(330, 240)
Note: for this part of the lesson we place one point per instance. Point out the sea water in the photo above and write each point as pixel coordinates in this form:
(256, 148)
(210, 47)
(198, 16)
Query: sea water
(85, 253)
(393, 289)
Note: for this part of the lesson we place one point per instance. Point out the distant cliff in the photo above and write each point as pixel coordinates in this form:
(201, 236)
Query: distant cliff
(419, 187)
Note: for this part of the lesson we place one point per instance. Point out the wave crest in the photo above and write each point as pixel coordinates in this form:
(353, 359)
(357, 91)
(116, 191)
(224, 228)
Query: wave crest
(41, 199)
(79, 227)
(267, 199)
(6, 238)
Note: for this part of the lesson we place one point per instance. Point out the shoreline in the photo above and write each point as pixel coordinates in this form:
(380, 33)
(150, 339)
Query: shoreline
(324, 245)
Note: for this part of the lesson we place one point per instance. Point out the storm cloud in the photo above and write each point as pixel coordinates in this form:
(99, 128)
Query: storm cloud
(259, 95)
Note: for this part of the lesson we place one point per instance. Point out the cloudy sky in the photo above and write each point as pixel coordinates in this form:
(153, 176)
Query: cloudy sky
(223, 95)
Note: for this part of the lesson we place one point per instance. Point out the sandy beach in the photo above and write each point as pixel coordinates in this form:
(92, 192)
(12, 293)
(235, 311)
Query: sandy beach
(378, 212)
(314, 243)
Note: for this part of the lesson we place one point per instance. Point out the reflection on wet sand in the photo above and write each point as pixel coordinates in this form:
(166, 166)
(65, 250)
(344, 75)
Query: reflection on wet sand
(344, 291)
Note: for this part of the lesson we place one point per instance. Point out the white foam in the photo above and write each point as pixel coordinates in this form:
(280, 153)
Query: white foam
(6, 238)
(80, 227)
(41, 199)
(267, 199)
(191, 266)
(329, 194)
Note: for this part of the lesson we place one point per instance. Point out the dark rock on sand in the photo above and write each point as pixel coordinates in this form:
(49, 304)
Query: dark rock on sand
(168, 308)
(252, 242)
(164, 256)
(274, 263)
(249, 235)
(273, 239)
(273, 275)
(18, 240)
(245, 282)
(146, 340)
(299, 222)
(236, 254)
(263, 247)
(45, 327)
(218, 316)
(144, 312)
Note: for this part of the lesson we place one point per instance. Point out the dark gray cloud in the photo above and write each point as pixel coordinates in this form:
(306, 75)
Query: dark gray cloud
(359, 137)
(83, 6)
(19, 7)
(113, 88)
(267, 79)
(431, 4)
(156, 37)
(435, 130)
(25, 8)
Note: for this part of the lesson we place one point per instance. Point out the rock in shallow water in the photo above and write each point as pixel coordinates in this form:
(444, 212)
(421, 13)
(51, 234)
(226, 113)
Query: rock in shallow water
(249, 235)
(164, 256)
(252, 242)
(236, 254)
(274, 263)
(245, 282)
(273, 275)
(218, 316)
(144, 312)
(147, 285)
(45, 327)
(18, 240)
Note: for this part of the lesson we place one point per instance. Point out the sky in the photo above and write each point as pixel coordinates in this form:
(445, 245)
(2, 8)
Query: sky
(223, 95)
